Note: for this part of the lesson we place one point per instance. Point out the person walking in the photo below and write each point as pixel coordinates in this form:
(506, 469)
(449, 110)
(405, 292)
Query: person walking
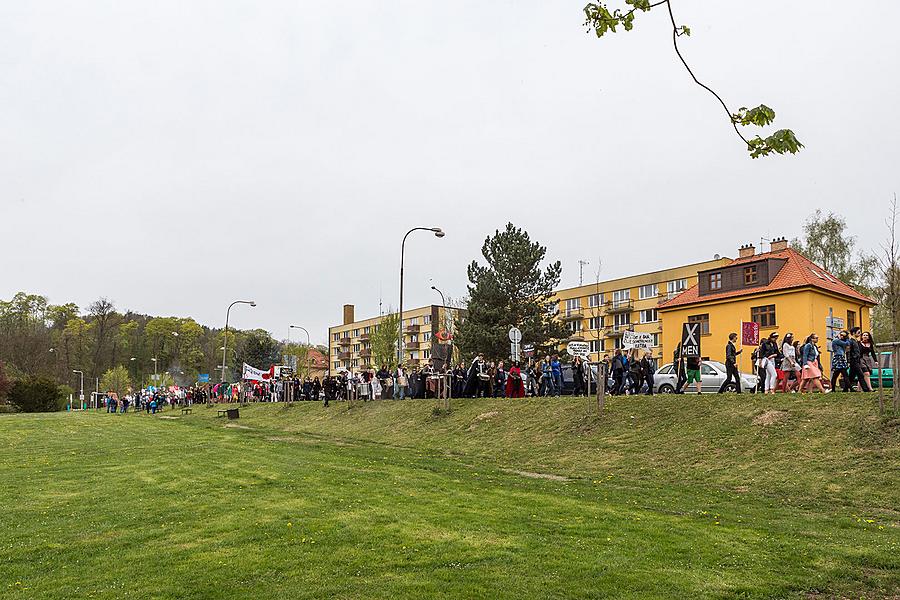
(789, 365)
(839, 365)
(400, 383)
(648, 369)
(556, 372)
(869, 360)
(811, 373)
(578, 376)
(854, 361)
(768, 354)
(692, 372)
(635, 373)
(678, 364)
(618, 372)
(731, 370)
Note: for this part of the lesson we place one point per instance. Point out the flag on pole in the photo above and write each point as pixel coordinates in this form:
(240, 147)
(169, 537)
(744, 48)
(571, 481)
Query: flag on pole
(749, 333)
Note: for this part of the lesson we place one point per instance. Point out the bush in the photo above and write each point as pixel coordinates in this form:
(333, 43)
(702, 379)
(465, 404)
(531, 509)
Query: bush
(35, 394)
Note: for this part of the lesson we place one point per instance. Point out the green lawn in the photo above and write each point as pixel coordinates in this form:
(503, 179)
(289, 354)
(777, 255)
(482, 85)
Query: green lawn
(675, 497)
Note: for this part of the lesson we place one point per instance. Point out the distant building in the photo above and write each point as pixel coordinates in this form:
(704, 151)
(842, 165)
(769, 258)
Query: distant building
(600, 313)
(424, 338)
(781, 290)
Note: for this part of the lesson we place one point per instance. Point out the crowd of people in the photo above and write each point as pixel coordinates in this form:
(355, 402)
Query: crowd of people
(151, 400)
(793, 366)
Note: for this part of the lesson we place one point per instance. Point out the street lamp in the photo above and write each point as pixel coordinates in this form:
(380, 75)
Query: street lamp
(439, 233)
(81, 394)
(308, 343)
(225, 343)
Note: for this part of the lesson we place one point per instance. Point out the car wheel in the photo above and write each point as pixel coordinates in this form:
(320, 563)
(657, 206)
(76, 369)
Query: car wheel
(730, 388)
(666, 389)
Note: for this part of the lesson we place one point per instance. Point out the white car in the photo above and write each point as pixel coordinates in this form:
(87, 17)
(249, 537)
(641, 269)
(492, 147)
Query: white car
(712, 374)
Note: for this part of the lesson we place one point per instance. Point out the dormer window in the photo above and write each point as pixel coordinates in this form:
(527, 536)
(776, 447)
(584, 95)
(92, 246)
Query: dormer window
(715, 281)
(751, 275)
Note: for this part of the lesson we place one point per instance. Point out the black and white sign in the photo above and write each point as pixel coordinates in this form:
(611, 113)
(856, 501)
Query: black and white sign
(690, 339)
(582, 349)
(637, 339)
(515, 335)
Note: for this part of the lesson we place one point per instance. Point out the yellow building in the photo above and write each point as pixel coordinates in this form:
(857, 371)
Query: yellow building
(423, 338)
(600, 313)
(781, 290)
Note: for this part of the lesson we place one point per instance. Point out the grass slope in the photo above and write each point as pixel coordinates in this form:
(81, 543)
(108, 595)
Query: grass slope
(719, 497)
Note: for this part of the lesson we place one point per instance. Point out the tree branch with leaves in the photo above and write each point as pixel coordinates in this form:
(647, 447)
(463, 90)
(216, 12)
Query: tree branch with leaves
(600, 20)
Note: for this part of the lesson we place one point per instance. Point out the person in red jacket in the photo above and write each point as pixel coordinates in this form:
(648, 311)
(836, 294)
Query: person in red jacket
(514, 385)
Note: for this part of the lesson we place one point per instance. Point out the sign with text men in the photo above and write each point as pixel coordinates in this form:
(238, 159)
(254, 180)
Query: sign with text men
(690, 339)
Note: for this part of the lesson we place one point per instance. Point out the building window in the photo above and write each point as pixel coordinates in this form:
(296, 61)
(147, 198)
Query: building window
(649, 316)
(621, 296)
(622, 320)
(764, 315)
(355, 362)
(426, 336)
(595, 300)
(427, 319)
(655, 340)
(336, 336)
(715, 281)
(413, 337)
(337, 364)
(676, 287)
(648, 291)
(596, 345)
(573, 305)
(596, 323)
(574, 326)
(356, 333)
(426, 354)
(618, 344)
(337, 351)
(367, 330)
(414, 356)
(751, 275)
(851, 319)
(703, 320)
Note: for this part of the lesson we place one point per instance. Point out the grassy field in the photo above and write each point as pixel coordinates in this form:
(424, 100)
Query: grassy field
(672, 497)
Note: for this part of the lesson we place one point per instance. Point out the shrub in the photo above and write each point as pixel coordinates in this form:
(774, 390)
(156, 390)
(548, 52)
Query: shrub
(35, 394)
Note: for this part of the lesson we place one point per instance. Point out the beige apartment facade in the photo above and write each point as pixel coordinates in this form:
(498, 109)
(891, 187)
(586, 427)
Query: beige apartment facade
(600, 313)
(427, 335)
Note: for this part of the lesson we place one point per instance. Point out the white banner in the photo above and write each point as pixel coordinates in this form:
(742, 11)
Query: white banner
(254, 374)
(636, 339)
(582, 349)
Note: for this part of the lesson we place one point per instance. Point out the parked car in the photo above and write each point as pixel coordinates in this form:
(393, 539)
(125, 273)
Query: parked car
(887, 368)
(712, 375)
(568, 379)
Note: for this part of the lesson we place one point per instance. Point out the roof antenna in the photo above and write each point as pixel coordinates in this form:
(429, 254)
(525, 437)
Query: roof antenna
(581, 264)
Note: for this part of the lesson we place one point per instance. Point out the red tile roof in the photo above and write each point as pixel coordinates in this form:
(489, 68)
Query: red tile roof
(797, 272)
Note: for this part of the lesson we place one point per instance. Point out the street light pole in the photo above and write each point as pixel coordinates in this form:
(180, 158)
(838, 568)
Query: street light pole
(81, 394)
(225, 342)
(308, 343)
(438, 232)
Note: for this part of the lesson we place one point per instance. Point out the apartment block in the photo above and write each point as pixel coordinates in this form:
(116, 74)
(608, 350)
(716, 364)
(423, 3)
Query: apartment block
(426, 330)
(601, 312)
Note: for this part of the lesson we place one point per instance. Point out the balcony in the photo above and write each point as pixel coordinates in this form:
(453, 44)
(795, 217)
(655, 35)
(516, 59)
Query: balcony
(619, 306)
(617, 330)
(344, 356)
(365, 353)
(344, 341)
(411, 345)
(412, 328)
(573, 314)
(575, 337)
(364, 337)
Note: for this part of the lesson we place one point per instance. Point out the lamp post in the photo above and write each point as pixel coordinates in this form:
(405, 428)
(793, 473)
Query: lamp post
(225, 342)
(449, 364)
(81, 393)
(438, 232)
(308, 343)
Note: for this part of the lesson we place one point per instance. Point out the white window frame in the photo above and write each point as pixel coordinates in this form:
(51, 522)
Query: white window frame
(654, 288)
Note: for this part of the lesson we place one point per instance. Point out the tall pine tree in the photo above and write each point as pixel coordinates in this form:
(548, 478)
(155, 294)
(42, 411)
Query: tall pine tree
(511, 290)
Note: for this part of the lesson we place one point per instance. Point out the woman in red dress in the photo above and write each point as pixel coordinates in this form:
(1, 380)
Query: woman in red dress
(514, 385)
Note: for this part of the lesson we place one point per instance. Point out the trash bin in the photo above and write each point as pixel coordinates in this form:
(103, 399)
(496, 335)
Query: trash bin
(234, 413)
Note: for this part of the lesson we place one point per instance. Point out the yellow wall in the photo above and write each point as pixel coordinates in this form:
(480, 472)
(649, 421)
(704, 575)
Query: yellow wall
(799, 311)
(633, 283)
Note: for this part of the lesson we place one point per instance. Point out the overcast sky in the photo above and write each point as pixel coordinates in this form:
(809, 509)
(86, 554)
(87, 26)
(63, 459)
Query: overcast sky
(174, 156)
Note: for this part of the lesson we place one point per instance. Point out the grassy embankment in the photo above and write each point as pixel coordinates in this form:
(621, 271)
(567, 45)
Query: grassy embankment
(684, 497)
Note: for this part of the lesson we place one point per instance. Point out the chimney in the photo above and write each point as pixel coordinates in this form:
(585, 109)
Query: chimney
(746, 251)
(348, 314)
(779, 244)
